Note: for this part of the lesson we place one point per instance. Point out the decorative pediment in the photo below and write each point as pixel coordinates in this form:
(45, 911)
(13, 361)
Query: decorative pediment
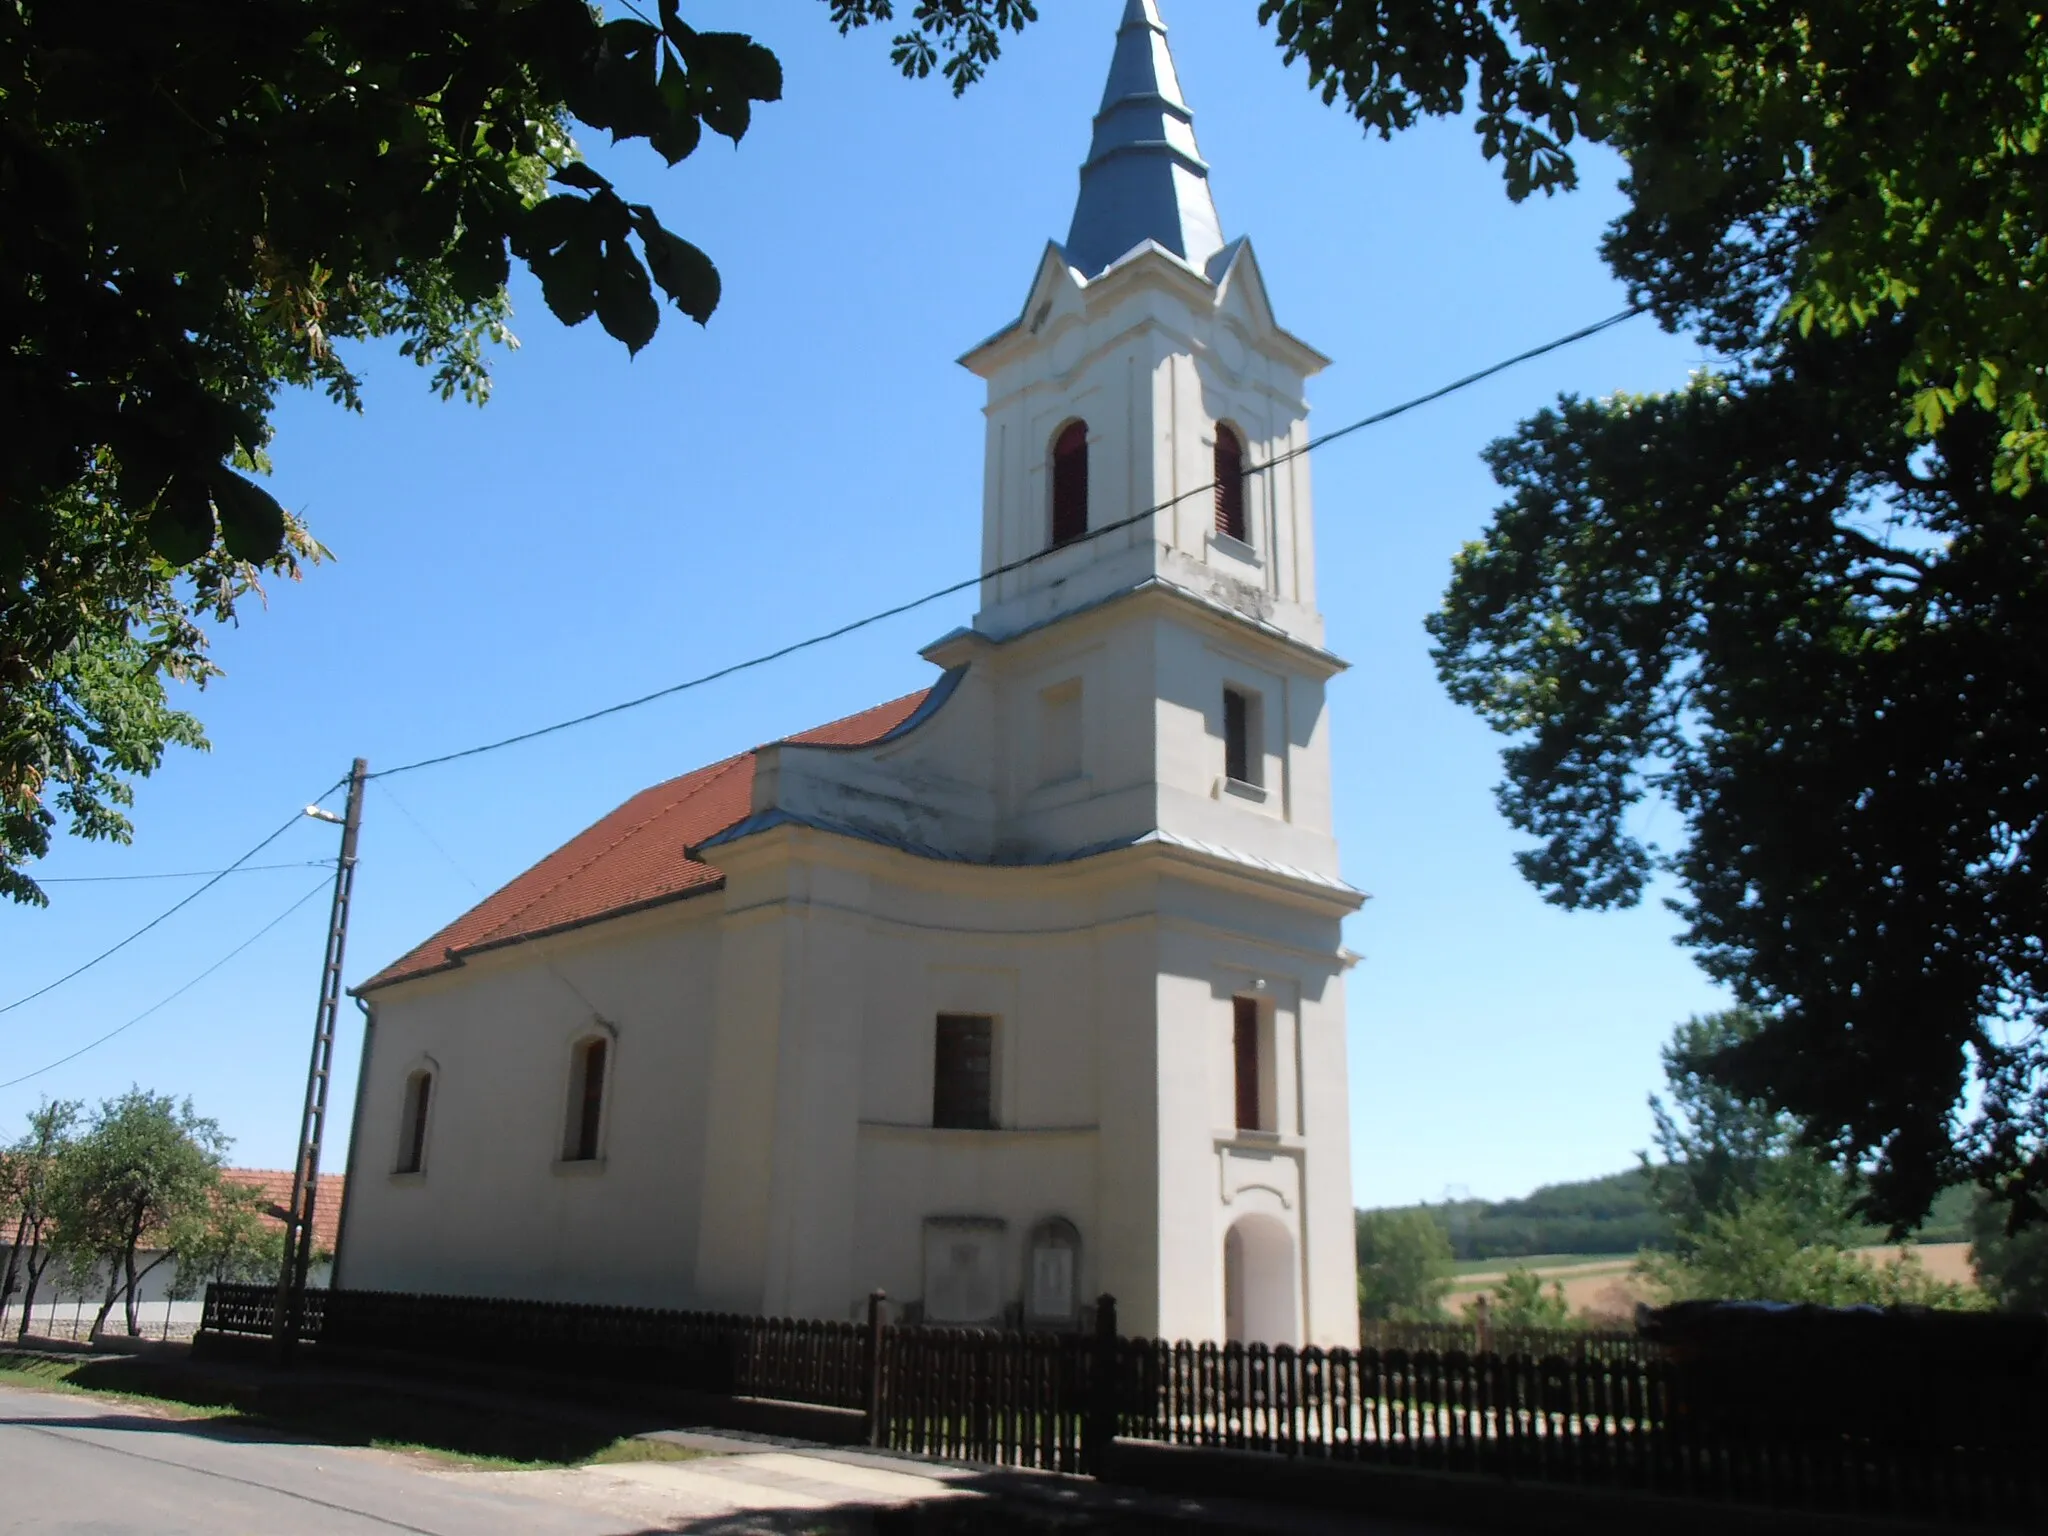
(1056, 290)
(1242, 299)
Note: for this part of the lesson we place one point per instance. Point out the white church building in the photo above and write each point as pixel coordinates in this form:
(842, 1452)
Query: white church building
(1018, 990)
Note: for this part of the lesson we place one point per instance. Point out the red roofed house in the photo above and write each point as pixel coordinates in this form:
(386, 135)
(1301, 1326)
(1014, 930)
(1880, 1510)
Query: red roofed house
(60, 1300)
(1012, 991)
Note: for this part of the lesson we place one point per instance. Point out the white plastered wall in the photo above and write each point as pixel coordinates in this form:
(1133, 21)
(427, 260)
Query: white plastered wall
(495, 1209)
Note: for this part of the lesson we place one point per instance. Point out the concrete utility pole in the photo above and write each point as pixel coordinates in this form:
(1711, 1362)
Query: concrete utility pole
(298, 1227)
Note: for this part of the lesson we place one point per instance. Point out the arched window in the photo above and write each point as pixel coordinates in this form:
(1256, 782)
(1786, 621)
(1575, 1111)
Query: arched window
(1070, 483)
(1230, 484)
(412, 1124)
(586, 1101)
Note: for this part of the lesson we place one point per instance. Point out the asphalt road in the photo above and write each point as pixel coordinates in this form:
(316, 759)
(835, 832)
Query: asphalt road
(86, 1468)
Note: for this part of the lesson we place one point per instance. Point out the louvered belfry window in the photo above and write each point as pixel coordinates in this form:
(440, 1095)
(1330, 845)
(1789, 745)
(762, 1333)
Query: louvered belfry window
(1229, 484)
(1070, 483)
(1244, 1042)
(963, 1072)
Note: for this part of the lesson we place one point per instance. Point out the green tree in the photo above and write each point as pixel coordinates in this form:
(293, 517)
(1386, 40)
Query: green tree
(1762, 1249)
(1840, 165)
(1404, 1266)
(115, 625)
(1807, 610)
(1520, 1300)
(1755, 1212)
(1755, 598)
(145, 1172)
(226, 1237)
(203, 204)
(2012, 1267)
(1717, 1149)
(28, 1169)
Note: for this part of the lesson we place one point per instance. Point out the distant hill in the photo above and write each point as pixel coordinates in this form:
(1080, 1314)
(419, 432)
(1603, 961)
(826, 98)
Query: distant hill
(1608, 1215)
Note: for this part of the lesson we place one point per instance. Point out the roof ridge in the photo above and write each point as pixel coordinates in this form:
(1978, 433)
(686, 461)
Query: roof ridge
(712, 773)
(625, 862)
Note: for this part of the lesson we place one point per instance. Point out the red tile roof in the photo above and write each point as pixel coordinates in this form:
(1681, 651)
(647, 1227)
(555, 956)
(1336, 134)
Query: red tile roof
(633, 858)
(274, 1187)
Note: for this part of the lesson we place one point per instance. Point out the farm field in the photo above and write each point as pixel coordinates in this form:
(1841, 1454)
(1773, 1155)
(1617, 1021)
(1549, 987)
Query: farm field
(1543, 1263)
(1601, 1283)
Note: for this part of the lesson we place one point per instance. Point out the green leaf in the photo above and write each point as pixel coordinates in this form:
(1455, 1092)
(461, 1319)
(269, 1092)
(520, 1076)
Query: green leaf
(478, 260)
(685, 273)
(580, 176)
(145, 468)
(728, 70)
(548, 225)
(569, 278)
(251, 522)
(677, 136)
(181, 528)
(625, 301)
(742, 64)
(620, 91)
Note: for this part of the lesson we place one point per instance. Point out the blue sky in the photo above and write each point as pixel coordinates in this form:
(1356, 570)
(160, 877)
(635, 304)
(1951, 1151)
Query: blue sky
(607, 526)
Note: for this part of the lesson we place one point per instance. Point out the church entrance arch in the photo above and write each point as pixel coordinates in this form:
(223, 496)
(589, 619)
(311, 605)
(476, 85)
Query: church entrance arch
(1261, 1296)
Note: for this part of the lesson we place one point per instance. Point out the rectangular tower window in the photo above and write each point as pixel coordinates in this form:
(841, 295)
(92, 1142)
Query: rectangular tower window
(1244, 757)
(1059, 739)
(1244, 1050)
(963, 1076)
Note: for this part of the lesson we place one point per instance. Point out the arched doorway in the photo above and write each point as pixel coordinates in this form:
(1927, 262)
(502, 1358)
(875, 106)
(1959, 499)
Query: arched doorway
(1261, 1300)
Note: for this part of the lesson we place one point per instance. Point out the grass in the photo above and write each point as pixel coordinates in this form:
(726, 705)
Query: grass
(624, 1451)
(483, 1432)
(47, 1373)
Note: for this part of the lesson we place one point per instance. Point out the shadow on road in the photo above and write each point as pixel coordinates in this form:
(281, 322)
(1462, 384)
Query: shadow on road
(315, 1408)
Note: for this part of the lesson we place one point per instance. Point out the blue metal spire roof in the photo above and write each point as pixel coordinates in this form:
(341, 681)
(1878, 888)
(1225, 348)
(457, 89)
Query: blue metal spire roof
(1144, 178)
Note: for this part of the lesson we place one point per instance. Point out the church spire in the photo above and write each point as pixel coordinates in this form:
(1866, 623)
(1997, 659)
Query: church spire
(1144, 178)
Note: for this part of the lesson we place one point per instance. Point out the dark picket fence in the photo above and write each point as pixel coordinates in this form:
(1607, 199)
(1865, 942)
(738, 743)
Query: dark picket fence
(1474, 1338)
(1941, 1419)
(1010, 1399)
(805, 1362)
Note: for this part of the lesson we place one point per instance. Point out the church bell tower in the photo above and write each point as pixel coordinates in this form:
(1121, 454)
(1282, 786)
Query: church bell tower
(1146, 365)
(1146, 435)
(1154, 662)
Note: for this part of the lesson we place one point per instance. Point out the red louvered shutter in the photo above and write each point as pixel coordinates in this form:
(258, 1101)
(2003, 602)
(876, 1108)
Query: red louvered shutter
(1229, 484)
(1070, 483)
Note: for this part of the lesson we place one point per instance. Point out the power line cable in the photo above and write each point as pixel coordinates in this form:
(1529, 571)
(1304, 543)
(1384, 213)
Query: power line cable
(470, 880)
(180, 874)
(172, 997)
(1007, 567)
(825, 637)
(176, 906)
